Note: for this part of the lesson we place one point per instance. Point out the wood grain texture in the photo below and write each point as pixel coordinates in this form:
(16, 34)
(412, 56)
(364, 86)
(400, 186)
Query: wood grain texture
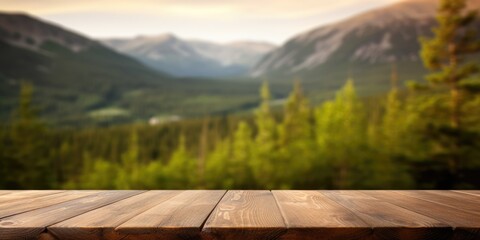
(466, 225)
(311, 215)
(5, 192)
(18, 195)
(463, 202)
(283, 215)
(388, 220)
(180, 217)
(23, 205)
(30, 224)
(245, 215)
(101, 223)
(471, 192)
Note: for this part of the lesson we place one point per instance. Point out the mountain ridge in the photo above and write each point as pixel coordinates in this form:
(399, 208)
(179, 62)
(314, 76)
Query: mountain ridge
(381, 36)
(37, 32)
(72, 74)
(96, 85)
(192, 57)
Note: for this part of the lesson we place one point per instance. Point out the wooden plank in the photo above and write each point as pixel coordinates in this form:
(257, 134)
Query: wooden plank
(101, 223)
(311, 215)
(240, 215)
(18, 195)
(23, 205)
(466, 225)
(464, 202)
(180, 217)
(31, 224)
(5, 192)
(245, 215)
(471, 192)
(390, 221)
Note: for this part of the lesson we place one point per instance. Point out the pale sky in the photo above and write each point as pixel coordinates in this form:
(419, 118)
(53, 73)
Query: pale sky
(215, 20)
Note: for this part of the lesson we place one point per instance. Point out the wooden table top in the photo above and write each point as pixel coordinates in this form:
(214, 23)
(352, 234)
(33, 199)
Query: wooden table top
(235, 214)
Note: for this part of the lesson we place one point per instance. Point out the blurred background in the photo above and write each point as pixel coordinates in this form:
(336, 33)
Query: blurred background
(377, 94)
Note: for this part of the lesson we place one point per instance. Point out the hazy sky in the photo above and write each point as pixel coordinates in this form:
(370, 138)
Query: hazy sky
(217, 20)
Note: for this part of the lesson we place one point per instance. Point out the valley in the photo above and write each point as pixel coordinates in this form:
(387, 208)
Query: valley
(82, 81)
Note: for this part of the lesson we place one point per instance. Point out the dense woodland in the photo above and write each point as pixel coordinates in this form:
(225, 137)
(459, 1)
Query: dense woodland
(426, 135)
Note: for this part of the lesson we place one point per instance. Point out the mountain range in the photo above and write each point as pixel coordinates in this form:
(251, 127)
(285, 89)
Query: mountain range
(192, 58)
(82, 80)
(78, 80)
(363, 47)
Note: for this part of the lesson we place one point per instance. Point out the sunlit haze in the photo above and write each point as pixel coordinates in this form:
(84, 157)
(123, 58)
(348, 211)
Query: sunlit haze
(215, 20)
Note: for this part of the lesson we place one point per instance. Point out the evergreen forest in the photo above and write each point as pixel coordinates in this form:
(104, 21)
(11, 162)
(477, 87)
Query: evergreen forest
(425, 135)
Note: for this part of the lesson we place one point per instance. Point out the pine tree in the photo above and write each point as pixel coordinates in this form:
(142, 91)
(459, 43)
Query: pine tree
(203, 150)
(263, 161)
(239, 167)
(391, 127)
(340, 136)
(129, 175)
(27, 164)
(217, 167)
(181, 170)
(446, 55)
(295, 141)
(393, 141)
